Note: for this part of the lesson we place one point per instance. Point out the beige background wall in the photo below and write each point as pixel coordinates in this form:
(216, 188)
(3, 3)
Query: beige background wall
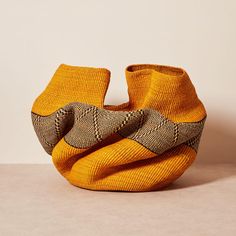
(36, 36)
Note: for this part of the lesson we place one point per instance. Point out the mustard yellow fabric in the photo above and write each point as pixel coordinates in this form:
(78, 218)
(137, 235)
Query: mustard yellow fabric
(118, 163)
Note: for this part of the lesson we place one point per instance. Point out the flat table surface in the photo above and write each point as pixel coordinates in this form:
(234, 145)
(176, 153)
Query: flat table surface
(36, 200)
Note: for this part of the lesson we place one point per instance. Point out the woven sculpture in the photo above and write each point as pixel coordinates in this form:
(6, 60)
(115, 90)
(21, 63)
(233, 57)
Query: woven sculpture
(141, 145)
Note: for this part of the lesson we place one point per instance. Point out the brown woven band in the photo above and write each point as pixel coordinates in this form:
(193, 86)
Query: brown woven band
(82, 126)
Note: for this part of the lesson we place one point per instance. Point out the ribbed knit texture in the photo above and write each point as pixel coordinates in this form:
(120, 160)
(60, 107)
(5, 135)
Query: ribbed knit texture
(119, 163)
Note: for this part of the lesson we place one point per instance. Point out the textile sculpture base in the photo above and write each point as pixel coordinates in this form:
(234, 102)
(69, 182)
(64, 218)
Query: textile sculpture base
(141, 145)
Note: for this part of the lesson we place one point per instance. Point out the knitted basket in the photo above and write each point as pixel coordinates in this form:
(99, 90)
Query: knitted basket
(141, 145)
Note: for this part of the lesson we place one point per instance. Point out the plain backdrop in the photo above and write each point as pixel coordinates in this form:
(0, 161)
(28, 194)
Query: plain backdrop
(37, 36)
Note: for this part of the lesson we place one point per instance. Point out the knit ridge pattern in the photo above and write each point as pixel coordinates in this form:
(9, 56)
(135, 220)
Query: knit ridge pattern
(141, 145)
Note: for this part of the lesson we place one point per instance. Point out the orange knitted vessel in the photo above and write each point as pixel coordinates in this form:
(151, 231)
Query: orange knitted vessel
(141, 145)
